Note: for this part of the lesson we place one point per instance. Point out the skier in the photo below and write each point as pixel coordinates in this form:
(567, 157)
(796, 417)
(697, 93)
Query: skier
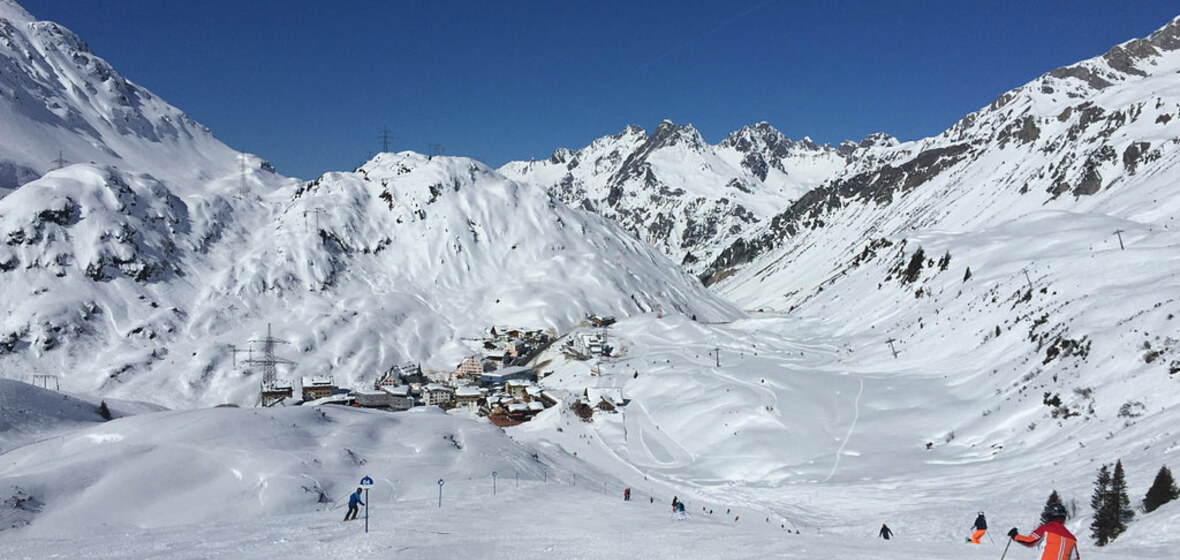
(626, 494)
(885, 532)
(353, 500)
(680, 511)
(980, 529)
(1060, 544)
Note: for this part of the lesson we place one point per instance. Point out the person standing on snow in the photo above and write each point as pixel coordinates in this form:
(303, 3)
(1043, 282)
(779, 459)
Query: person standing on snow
(626, 494)
(980, 529)
(1060, 544)
(885, 532)
(353, 500)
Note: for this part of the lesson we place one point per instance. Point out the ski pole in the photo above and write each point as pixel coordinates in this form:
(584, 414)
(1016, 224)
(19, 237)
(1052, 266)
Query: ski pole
(1006, 548)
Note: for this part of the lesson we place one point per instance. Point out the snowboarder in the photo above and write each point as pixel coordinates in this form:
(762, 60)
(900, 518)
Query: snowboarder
(680, 511)
(1060, 544)
(353, 500)
(980, 529)
(626, 494)
(885, 532)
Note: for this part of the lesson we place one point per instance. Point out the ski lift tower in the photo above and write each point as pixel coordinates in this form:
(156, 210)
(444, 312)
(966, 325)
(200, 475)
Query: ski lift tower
(273, 389)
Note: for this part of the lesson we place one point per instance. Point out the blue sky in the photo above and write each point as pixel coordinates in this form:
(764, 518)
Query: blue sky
(310, 85)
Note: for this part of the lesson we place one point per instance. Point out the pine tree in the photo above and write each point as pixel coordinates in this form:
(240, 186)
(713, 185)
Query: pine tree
(1100, 527)
(1118, 489)
(1162, 491)
(1053, 499)
(1112, 505)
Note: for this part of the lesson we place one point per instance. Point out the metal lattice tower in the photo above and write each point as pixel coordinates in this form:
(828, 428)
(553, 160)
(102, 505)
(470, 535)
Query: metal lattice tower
(385, 139)
(60, 162)
(268, 361)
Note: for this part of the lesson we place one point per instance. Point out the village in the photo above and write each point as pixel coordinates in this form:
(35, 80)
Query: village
(498, 383)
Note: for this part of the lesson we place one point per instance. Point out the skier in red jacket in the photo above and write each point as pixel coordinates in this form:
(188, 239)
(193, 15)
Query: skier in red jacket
(1060, 544)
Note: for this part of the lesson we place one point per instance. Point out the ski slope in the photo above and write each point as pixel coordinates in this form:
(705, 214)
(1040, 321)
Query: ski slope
(272, 483)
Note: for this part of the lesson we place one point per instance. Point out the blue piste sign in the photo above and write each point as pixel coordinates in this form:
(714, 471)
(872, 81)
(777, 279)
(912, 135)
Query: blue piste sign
(366, 482)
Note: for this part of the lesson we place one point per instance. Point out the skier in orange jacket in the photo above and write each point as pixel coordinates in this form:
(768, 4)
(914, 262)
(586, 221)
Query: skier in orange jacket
(1060, 544)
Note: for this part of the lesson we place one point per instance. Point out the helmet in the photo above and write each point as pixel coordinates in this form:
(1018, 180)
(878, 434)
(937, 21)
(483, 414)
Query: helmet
(1055, 510)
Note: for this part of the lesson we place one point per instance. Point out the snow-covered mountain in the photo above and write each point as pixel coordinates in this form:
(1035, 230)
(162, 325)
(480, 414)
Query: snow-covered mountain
(963, 323)
(679, 193)
(122, 287)
(1095, 137)
(60, 104)
(139, 274)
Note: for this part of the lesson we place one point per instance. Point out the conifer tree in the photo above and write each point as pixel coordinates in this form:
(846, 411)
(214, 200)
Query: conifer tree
(1053, 499)
(1100, 527)
(1112, 505)
(1118, 489)
(1162, 491)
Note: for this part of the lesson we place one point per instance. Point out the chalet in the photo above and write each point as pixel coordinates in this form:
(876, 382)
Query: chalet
(468, 396)
(589, 343)
(317, 387)
(387, 379)
(606, 399)
(517, 389)
(437, 394)
(601, 321)
(276, 393)
(548, 398)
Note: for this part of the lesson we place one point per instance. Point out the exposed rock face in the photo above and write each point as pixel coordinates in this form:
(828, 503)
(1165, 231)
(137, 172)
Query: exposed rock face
(687, 197)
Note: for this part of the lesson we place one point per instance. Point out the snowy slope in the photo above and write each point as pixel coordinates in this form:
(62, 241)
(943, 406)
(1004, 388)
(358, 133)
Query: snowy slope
(60, 103)
(128, 290)
(787, 434)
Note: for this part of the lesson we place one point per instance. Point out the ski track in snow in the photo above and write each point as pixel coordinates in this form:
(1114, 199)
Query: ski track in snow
(848, 435)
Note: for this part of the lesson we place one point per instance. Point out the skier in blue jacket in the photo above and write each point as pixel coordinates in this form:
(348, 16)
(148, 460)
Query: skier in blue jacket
(353, 501)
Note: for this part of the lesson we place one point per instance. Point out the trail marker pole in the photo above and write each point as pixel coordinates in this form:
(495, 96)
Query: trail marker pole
(518, 480)
(493, 483)
(1119, 233)
(366, 483)
(440, 485)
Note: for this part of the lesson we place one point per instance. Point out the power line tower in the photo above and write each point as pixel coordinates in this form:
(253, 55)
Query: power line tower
(385, 139)
(316, 212)
(60, 162)
(272, 387)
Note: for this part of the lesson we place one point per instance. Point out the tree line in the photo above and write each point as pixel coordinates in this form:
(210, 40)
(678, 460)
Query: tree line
(1112, 503)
